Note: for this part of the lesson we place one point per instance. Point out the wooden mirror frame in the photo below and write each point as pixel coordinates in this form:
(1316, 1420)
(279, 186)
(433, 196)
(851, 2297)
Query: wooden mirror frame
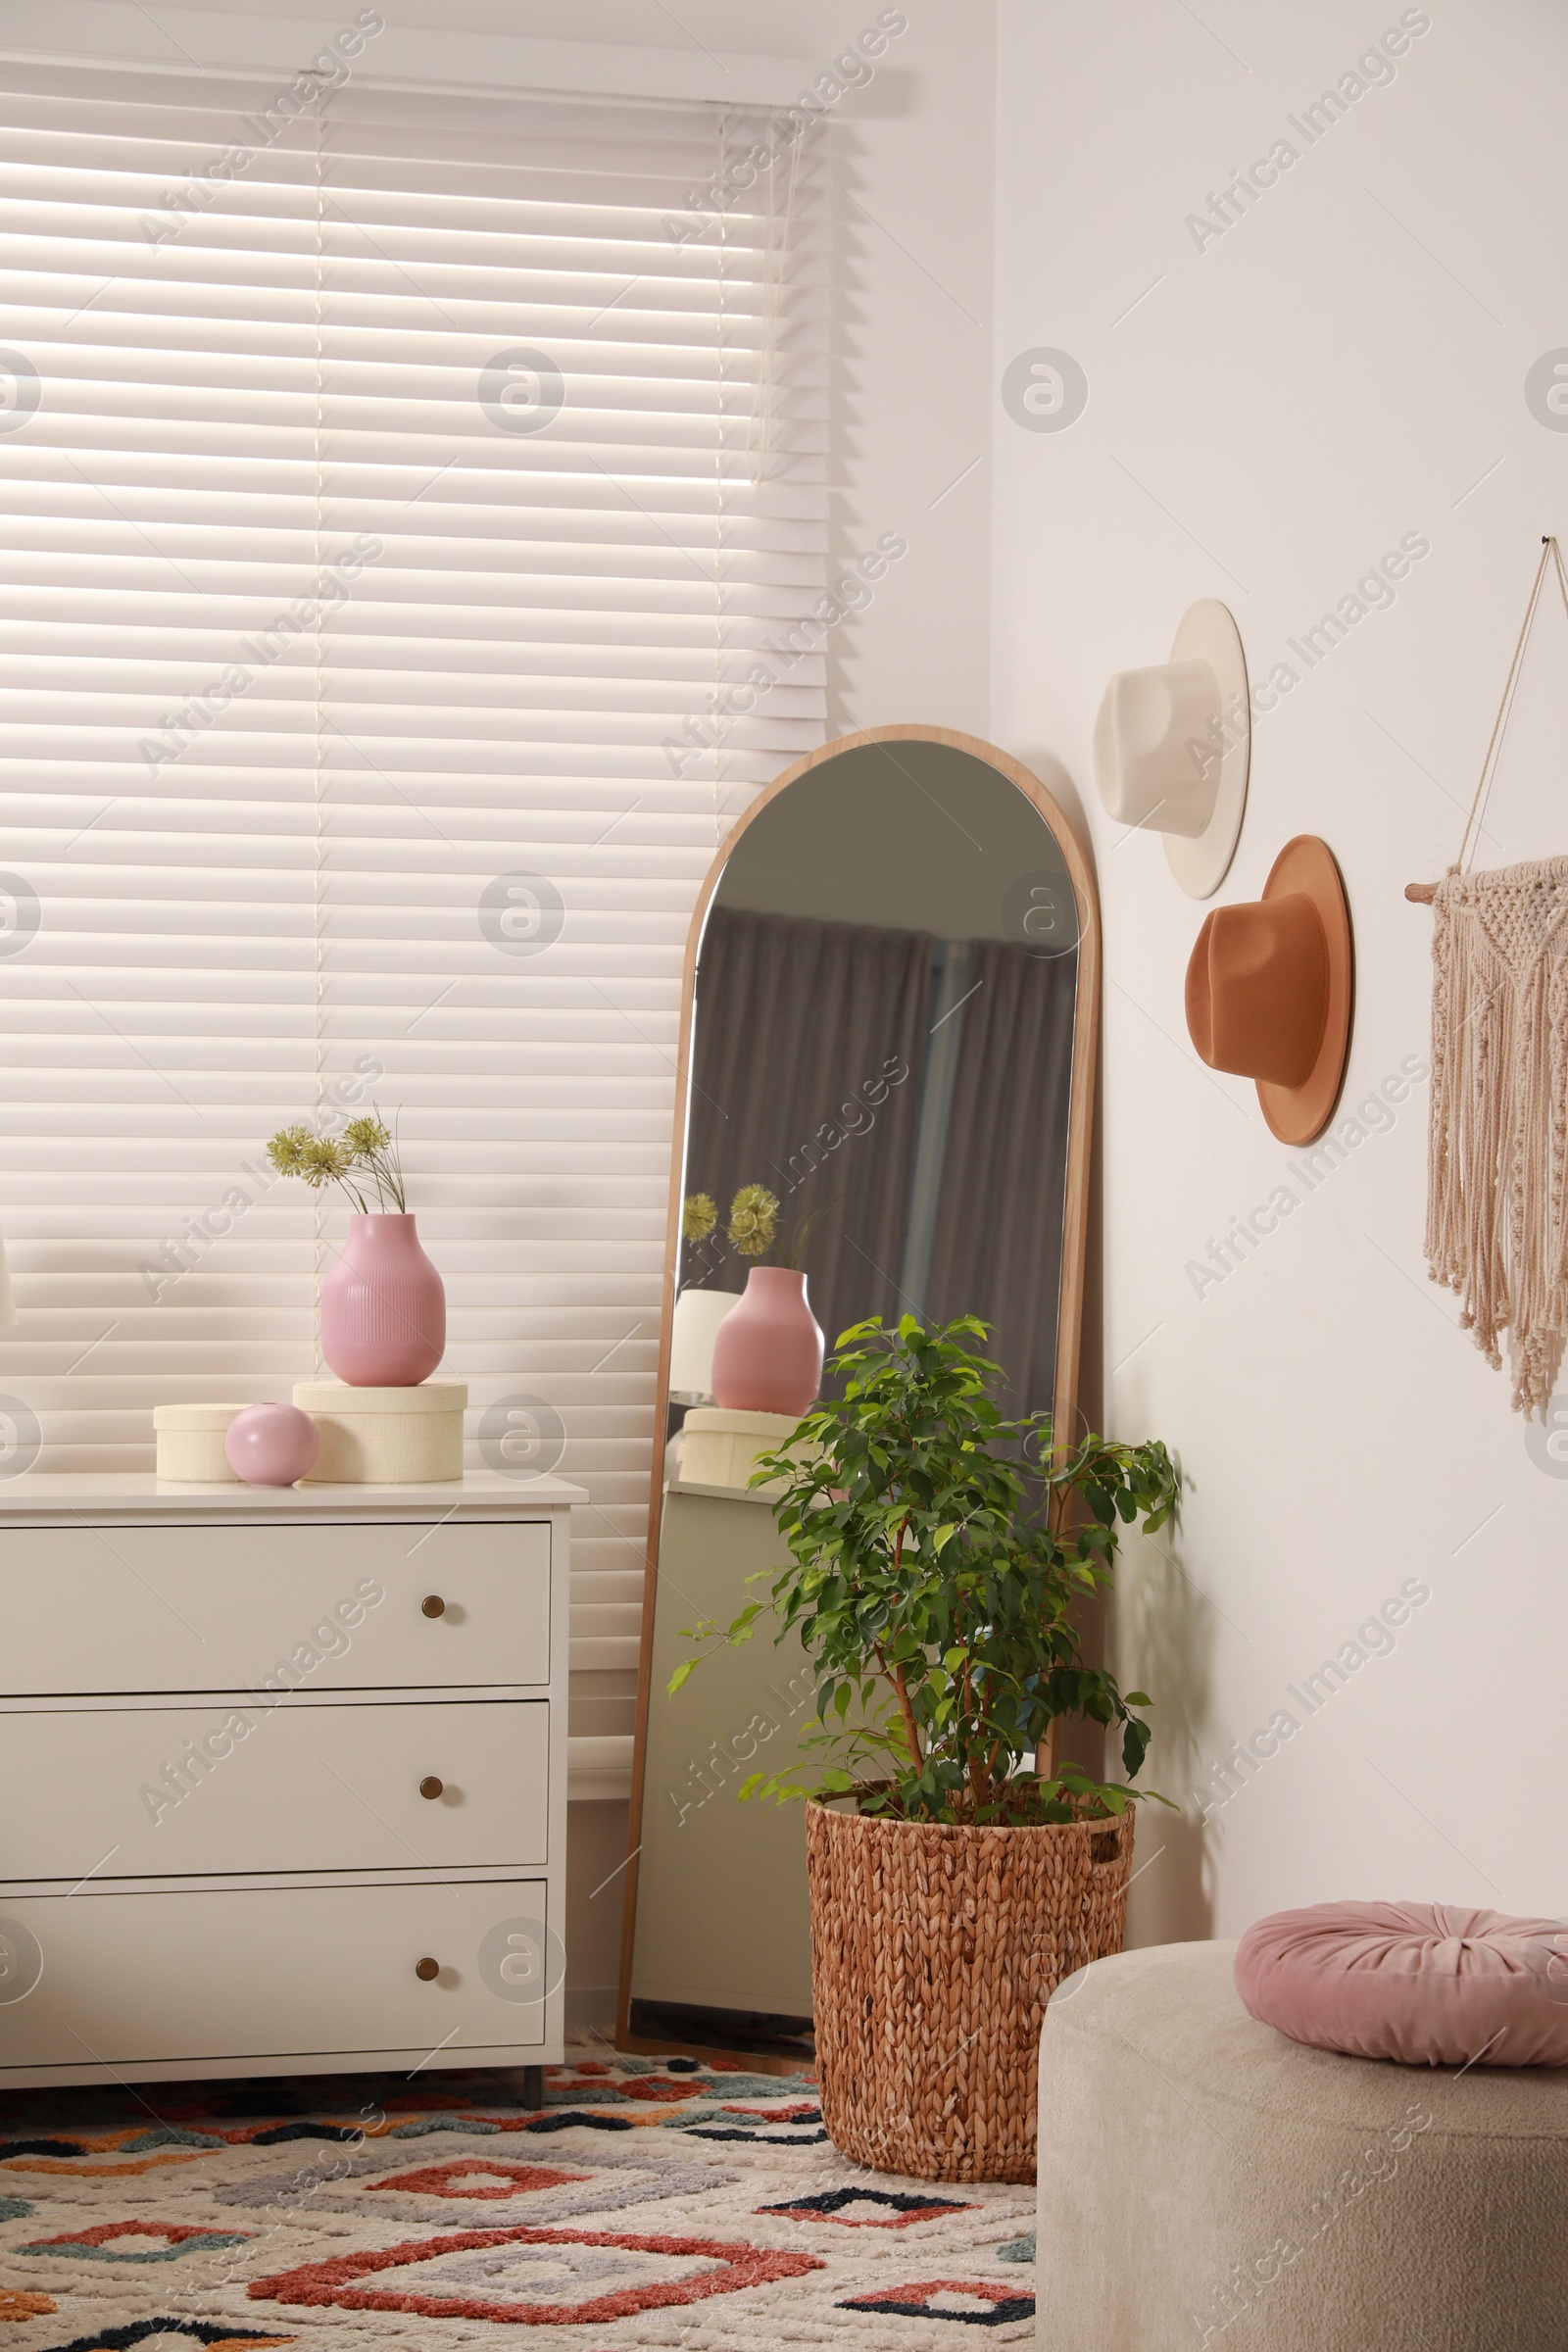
(1075, 1234)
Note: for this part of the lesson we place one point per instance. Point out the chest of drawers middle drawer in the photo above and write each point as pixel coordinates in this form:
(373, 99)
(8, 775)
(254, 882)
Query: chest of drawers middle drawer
(244, 1789)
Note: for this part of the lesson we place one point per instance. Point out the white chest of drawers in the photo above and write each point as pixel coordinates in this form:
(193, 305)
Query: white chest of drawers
(282, 1777)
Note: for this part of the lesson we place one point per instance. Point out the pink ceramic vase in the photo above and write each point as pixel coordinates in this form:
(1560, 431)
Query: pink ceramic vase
(383, 1307)
(767, 1352)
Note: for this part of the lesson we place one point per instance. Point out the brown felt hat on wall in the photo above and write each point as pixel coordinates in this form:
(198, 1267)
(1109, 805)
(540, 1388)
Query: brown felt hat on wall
(1270, 990)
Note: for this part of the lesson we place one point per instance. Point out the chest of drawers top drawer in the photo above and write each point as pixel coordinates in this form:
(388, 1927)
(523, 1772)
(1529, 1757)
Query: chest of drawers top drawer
(315, 1605)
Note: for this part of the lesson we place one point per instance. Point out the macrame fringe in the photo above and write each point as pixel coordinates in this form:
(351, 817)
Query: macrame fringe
(1496, 1185)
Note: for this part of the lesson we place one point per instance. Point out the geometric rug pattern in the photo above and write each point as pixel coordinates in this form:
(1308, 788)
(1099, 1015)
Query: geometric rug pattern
(648, 2203)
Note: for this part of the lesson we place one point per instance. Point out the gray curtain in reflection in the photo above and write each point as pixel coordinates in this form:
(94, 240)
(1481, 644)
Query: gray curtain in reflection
(997, 1247)
(806, 1078)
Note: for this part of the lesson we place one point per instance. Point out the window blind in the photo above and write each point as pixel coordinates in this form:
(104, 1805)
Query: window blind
(410, 507)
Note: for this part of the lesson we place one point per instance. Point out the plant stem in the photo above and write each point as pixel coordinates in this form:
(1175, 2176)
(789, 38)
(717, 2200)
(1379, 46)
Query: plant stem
(974, 1770)
(912, 1729)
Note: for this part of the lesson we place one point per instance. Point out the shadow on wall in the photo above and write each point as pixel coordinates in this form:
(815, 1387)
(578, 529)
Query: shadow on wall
(1163, 1643)
(1165, 1639)
(595, 1854)
(1065, 790)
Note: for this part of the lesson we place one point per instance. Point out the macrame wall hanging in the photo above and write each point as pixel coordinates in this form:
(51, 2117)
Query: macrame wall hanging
(1497, 1181)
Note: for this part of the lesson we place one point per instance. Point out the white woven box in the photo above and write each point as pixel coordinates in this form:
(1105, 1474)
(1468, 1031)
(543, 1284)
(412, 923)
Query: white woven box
(190, 1444)
(386, 1437)
(719, 1448)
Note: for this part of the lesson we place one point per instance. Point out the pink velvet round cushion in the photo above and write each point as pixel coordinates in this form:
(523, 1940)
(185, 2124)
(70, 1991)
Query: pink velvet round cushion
(1421, 1983)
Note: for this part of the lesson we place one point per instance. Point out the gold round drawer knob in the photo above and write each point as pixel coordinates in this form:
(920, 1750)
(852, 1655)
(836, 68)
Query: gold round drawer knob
(433, 1606)
(431, 1786)
(428, 1971)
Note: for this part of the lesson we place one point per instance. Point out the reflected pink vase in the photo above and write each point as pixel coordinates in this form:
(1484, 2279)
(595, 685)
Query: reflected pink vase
(767, 1352)
(383, 1306)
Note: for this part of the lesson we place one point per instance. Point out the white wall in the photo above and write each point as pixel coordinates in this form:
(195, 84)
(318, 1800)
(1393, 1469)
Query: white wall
(1345, 365)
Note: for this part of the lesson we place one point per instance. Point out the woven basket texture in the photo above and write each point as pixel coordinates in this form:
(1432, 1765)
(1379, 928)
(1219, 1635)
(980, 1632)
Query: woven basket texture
(934, 1951)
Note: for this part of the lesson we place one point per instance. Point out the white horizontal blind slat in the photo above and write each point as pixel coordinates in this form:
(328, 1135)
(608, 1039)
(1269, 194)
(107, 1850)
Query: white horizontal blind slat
(269, 428)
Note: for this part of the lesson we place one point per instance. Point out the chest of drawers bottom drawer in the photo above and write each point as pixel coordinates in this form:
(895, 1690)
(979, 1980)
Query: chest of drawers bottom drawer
(328, 1975)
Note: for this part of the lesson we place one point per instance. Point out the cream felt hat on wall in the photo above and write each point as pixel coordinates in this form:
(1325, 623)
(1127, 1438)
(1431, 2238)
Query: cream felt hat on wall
(1173, 743)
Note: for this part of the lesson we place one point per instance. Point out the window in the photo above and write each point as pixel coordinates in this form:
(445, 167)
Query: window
(409, 502)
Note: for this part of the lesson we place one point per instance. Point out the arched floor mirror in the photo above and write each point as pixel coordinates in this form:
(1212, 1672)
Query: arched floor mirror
(889, 1021)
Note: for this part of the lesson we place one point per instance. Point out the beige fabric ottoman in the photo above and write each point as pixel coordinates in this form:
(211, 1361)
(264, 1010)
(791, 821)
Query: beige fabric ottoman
(1205, 2182)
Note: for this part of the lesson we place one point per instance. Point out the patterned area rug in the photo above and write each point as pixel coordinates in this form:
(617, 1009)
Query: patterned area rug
(650, 2202)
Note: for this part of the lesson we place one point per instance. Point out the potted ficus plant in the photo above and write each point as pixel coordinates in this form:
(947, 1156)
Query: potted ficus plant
(958, 1871)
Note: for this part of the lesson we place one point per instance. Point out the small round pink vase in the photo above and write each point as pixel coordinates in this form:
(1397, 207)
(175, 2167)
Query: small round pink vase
(271, 1444)
(383, 1307)
(767, 1352)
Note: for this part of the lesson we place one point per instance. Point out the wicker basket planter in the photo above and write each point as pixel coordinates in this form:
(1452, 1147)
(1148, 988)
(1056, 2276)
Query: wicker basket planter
(934, 1951)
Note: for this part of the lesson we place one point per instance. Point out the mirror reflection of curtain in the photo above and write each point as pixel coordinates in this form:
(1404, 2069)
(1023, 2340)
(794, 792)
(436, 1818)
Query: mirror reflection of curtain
(995, 1250)
(807, 1055)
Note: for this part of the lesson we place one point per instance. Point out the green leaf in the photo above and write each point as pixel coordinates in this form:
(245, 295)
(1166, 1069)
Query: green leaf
(681, 1674)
